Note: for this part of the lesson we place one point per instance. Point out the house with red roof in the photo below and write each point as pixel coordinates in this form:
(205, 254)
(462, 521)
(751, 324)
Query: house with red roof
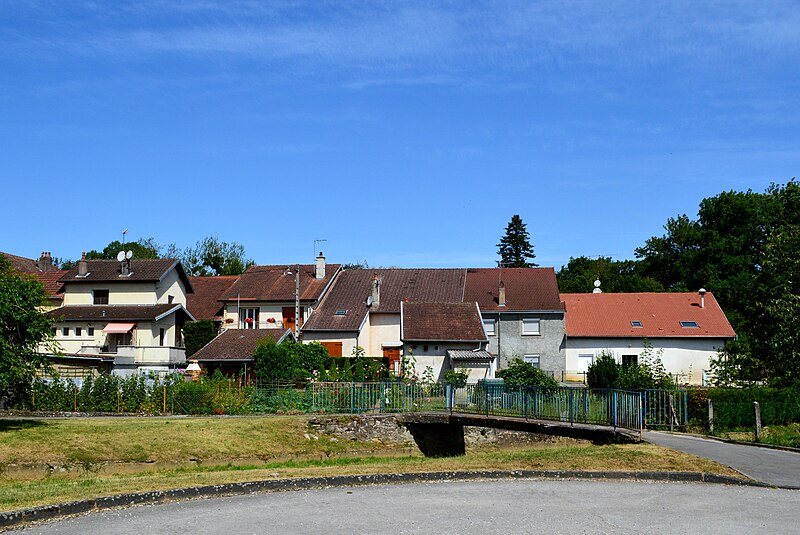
(44, 270)
(522, 313)
(444, 318)
(685, 329)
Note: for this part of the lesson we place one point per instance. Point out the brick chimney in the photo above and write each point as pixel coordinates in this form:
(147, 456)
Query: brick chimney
(45, 261)
(83, 266)
(320, 272)
(501, 296)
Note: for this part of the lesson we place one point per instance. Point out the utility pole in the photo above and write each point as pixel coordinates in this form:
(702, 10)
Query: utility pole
(297, 303)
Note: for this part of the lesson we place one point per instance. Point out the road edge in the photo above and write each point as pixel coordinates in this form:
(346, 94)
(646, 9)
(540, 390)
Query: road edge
(49, 512)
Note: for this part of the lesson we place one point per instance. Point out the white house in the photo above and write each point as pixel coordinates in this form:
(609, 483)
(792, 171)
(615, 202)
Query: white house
(686, 329)
(122, 315)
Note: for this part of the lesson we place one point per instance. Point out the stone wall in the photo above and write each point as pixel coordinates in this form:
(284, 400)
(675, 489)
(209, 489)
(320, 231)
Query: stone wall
(385, 429)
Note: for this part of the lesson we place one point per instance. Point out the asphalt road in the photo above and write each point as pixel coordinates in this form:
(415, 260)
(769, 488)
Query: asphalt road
(775, 467)
(502, 507)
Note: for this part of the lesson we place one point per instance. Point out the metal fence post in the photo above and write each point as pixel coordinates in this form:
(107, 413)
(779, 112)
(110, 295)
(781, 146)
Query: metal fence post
(352, 397)
(525, 401)
(671, 414)
(641, 416)
(571, 406)
(486, 395)
(615, 409)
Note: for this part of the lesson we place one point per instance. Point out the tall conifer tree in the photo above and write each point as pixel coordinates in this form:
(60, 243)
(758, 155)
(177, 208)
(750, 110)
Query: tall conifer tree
(515, 246)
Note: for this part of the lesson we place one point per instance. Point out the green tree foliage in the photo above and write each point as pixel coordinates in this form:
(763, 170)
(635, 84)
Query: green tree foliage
(521, 373)
(515, 246)
(211, 256)
(196, 334)
(579, 274)
(603, 372)
(23, 329)
(288, 362)
(727, 251)
(457, 378)
(142, 248)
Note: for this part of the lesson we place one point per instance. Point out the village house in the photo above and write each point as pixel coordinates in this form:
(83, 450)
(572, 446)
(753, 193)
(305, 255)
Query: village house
(122, 316)
(686, 329)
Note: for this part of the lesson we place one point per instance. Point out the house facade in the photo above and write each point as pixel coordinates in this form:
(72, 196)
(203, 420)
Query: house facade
(686, 329)
(519, 310)
(523, 315)
(123, 316)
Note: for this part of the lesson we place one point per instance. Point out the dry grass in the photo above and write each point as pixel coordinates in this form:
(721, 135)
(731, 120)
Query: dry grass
(270, 438)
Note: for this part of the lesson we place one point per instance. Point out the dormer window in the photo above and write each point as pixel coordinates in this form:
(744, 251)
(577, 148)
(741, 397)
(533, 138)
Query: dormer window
(636, 323)
(689, 325)
(100, 297)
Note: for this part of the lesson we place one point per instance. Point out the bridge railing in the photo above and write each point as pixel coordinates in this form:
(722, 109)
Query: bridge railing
(617, 408)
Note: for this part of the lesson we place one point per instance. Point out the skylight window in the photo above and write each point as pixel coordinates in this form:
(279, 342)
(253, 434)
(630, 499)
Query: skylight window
(341, 312)
(636, 323)
(689, 324)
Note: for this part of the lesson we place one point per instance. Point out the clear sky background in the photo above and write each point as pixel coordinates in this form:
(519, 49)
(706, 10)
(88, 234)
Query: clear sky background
(404, 133)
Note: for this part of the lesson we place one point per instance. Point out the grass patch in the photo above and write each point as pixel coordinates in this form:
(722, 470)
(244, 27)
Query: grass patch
(776, 435)
(247, 449)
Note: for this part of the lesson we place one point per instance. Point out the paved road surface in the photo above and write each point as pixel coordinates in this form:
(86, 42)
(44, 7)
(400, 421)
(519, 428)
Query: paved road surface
(498, 507)
(775, 467)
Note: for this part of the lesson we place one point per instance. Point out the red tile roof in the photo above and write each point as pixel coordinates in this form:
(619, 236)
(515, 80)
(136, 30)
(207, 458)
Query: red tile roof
(352, 287)
(21, 263)
(142, 270)
(609, 315)
(444, 322)
(50, 281)
(526, 288)
(204, 303)
(237, 344)
(275, 283)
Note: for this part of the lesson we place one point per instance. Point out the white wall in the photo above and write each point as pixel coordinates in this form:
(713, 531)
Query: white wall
(171, 284)
(348, 339)
(688, 357)
(380, 330)
(119, 293)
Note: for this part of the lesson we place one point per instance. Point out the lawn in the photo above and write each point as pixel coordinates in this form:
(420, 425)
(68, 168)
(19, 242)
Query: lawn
(247, 449)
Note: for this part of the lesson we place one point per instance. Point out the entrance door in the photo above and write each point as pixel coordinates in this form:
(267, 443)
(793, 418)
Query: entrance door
(391, 357)
(288, 318)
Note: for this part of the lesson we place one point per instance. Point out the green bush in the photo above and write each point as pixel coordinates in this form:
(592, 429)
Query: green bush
(603, 372)
(521, 373)
(457, 378)
(734, 409)
(196, 334)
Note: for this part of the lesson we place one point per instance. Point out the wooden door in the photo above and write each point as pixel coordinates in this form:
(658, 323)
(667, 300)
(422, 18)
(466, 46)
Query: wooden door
(288, 318)
(391, 357)
(334, 348)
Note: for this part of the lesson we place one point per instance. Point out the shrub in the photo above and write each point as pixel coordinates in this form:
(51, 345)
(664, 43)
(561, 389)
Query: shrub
(521, 373)
(457, 378)
(603, 372)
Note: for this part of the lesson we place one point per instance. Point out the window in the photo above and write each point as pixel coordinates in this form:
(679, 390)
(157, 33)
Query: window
(630, 360)
(161, 336)
(100, 297)
(689, 324)
(532, 360)
(248, 318)
(90, 331)
(530, 326)
(340, 312)
(488, 326)
(77, 331)
(170, 299)
(65, 331)
(636, 323)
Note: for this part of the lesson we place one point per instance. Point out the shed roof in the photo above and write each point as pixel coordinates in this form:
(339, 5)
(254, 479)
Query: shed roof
(238, 344)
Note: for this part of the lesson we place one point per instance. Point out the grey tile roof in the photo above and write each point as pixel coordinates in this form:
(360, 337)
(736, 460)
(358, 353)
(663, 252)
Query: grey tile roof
(465, 354)
(115, 312)
(142, 270)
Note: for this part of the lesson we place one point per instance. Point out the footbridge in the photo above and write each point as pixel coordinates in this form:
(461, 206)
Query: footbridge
(437, 414)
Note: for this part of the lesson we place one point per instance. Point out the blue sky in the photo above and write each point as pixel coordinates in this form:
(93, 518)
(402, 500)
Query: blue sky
(405, 134)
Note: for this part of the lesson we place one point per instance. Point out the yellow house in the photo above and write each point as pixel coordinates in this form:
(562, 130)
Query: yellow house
(125, 315)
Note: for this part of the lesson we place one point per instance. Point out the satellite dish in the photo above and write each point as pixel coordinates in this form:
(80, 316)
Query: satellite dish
(129, 255)
(120, 256)
(369, 300)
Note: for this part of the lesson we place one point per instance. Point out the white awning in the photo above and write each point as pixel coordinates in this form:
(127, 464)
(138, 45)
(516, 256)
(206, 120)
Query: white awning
(120, 328)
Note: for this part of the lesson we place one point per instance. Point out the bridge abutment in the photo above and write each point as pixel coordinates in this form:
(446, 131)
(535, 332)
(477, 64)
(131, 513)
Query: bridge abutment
(438, 439)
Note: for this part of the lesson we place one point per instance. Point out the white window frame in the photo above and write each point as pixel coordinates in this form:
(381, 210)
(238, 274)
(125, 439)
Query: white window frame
(531, 321)
(490, 326)
(535, 359)
(251, 312)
